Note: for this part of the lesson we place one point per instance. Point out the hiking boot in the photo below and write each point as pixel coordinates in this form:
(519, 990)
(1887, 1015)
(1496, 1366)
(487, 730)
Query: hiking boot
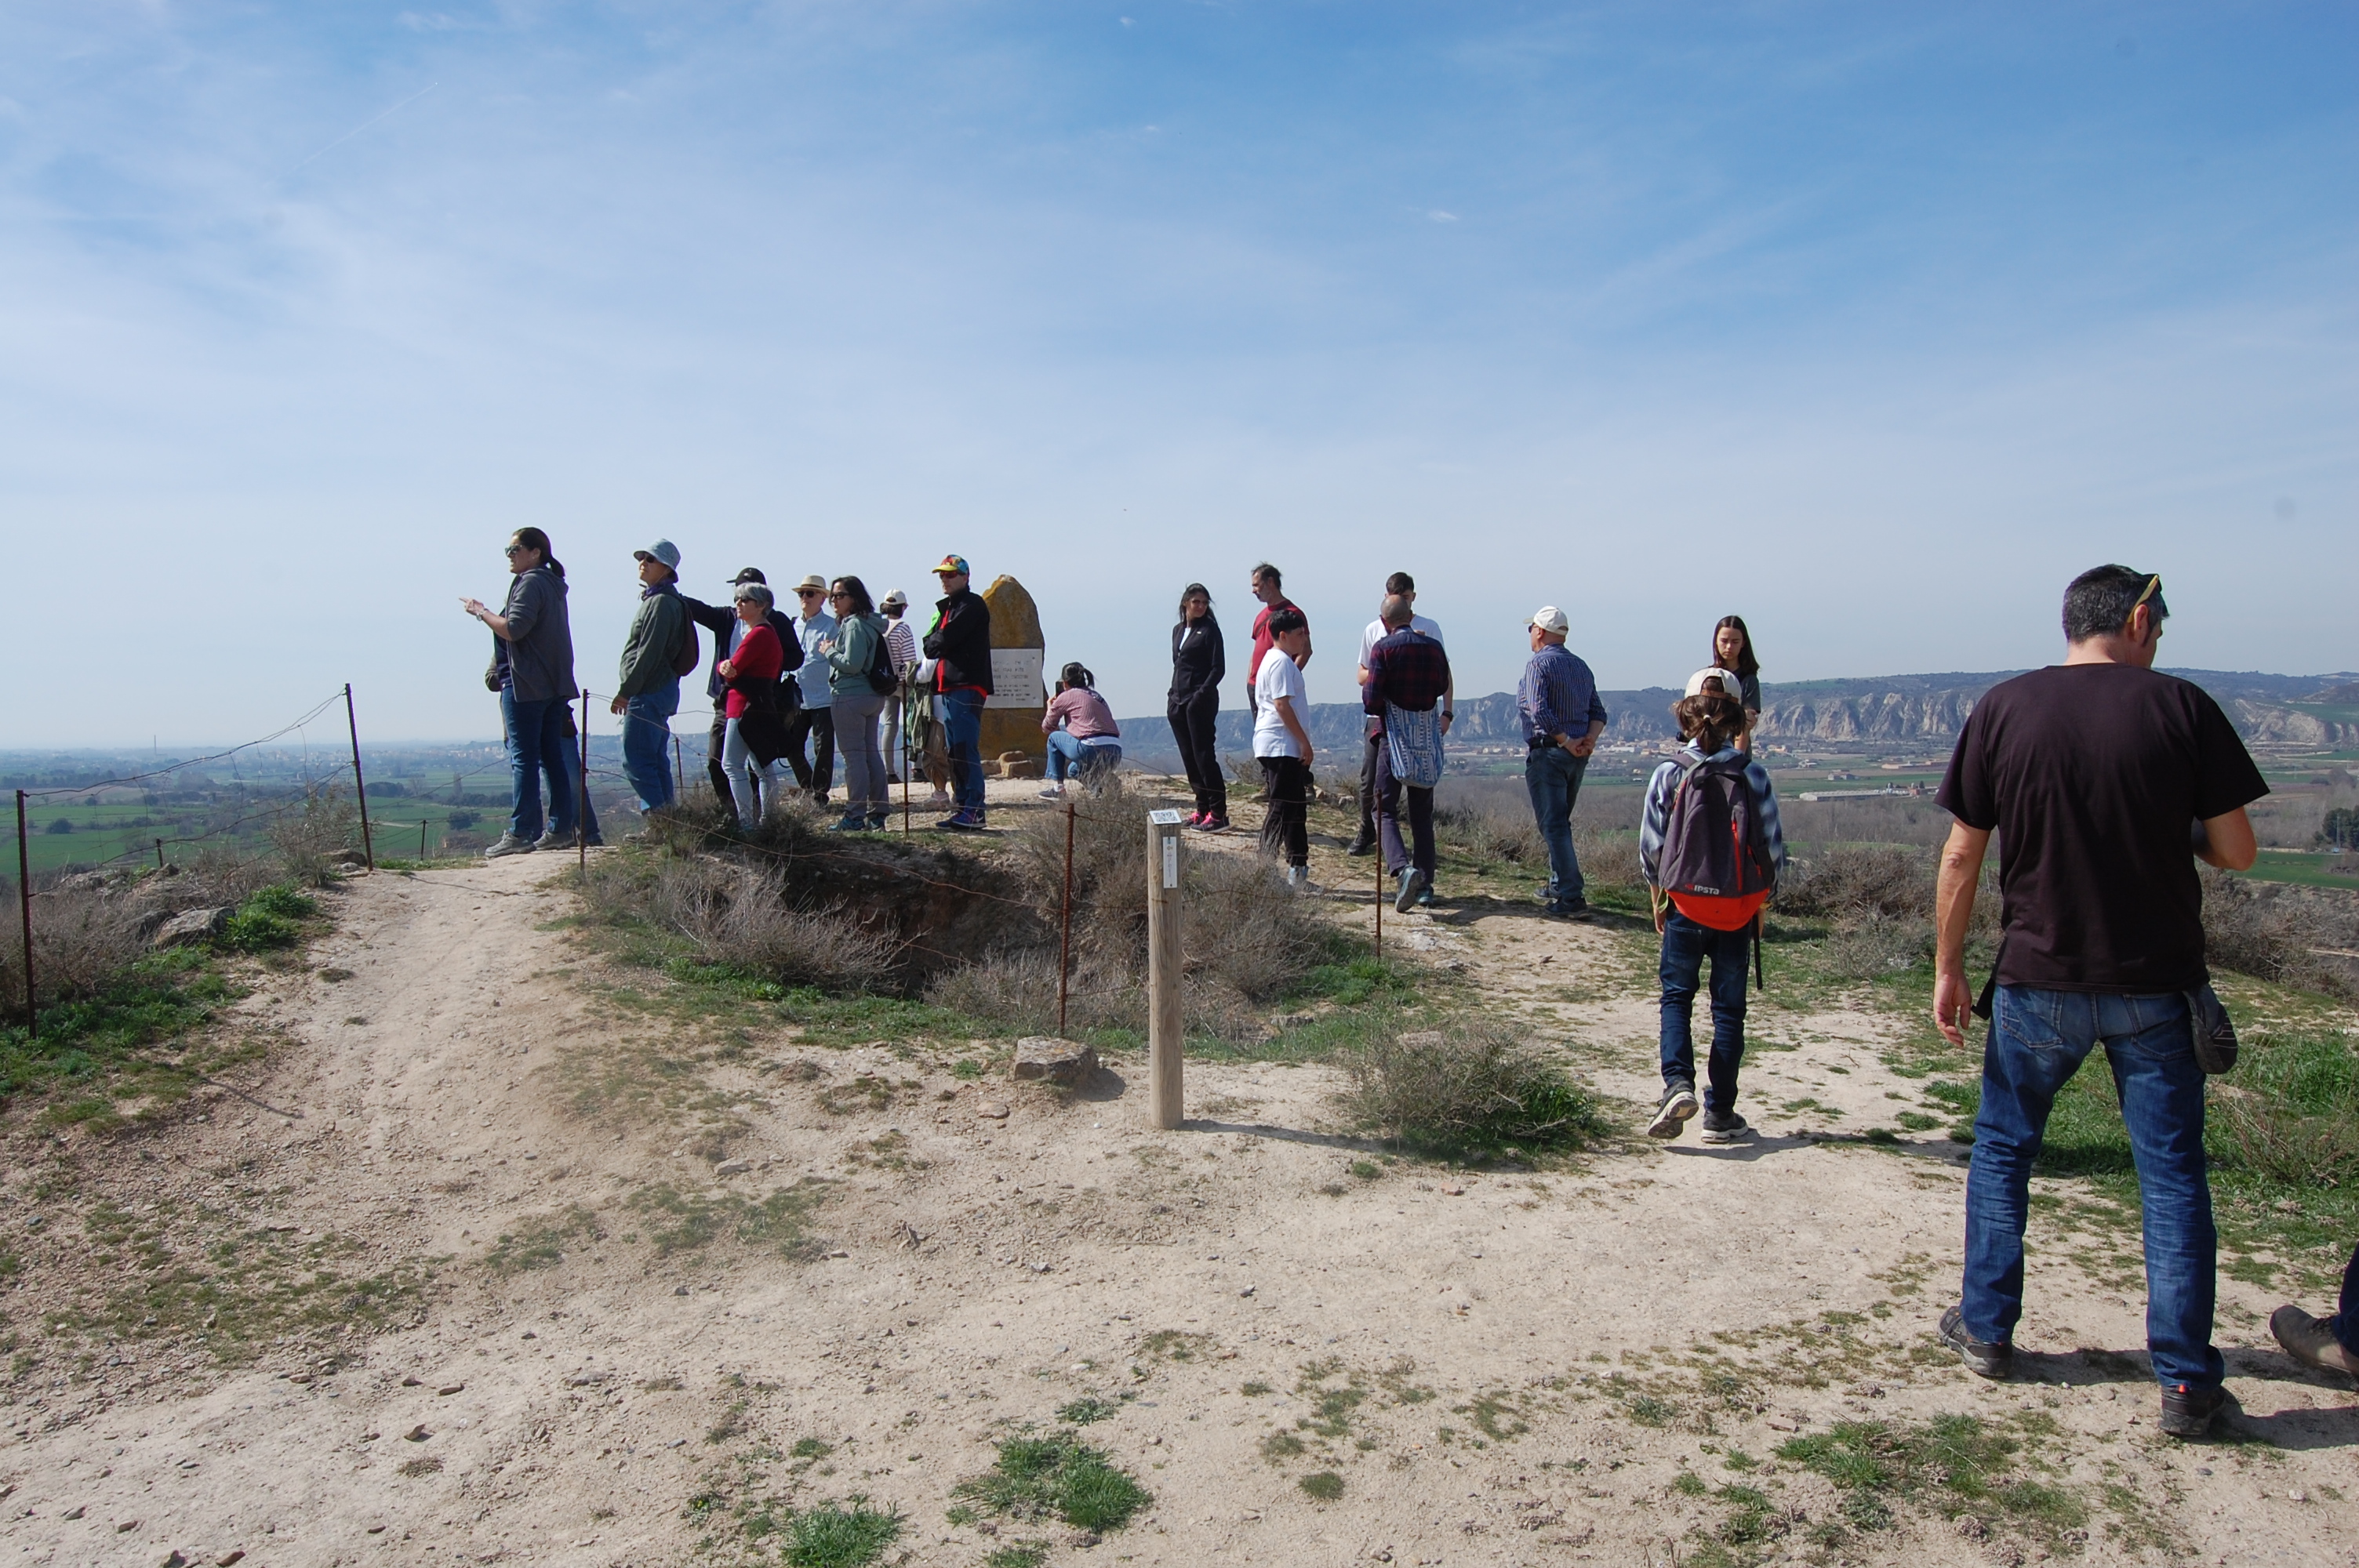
(2312, 1342)
(1725, 1127)
(1365, 844)
(509, 844)
(1678, 1104)
(1983, 1357)
(2187, 1412)
(1411, 881)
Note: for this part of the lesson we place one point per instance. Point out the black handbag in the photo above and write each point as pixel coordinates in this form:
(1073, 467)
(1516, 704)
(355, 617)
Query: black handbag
(2214, 1032)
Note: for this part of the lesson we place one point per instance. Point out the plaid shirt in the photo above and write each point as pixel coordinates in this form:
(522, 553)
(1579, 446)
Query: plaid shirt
(1406, 669)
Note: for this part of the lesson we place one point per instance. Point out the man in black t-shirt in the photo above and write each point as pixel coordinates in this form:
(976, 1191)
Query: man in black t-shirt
(2099, 776)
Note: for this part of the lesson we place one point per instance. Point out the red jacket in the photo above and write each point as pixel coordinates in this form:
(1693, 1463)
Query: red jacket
(760, 656)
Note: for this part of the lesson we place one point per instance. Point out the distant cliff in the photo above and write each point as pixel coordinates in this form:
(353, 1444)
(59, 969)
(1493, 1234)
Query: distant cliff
(1901, 711)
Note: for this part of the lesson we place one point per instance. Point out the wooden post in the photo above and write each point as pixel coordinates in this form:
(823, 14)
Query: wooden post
(1379, 858)
(1065, 940)
(422, 837)
(25, 911)
(1164, 1029)
(360, 785)
(679, 774)
(160, 854)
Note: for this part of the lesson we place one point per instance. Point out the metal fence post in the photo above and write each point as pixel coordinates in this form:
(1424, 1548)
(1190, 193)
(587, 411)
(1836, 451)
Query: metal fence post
(360, 786)
(24, 910)
(582, 794)
(1164, 1029)
(1065, 941)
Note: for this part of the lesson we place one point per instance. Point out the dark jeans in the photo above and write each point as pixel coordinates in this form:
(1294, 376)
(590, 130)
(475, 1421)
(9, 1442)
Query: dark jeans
(714, 746)
(1192, 730)
(1286, 791)
(2345, 1322)
(1368, 784)
(647, 740)
(1389, 792)
(816, 773)
(1686, 945)
(539, 745)
(2037, 1039)
(1552, 778)
(962, 730)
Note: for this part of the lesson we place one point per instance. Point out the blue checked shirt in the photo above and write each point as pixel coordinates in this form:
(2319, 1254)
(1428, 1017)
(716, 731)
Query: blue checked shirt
(1557, 695)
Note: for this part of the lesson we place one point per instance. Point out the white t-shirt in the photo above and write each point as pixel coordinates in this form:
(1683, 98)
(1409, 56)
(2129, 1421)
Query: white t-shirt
(1377, 631)
(1278, 678)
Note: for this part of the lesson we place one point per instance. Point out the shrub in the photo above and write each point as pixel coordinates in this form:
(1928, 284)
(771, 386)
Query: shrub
(1878, 944)
(738, 916)
(1471, 1090)
(1037, 1477)
(306, 838)
(1848, 883)
(2273, 932)
(831, 1536)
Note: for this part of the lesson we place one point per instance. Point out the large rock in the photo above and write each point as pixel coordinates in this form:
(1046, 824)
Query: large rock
(1011, 719)
(1050, 1060)
(191, 926)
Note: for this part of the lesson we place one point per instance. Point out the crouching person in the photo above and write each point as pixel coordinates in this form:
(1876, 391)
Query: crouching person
(1710, 849)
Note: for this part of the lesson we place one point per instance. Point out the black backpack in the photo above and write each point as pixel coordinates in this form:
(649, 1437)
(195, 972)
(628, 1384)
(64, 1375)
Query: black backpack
(1711, 832)
(883, 678)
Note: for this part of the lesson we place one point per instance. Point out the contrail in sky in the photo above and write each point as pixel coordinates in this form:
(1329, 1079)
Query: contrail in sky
(364, 125)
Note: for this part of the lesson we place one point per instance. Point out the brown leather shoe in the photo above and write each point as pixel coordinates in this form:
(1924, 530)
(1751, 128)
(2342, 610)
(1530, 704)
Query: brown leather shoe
(2309, 1341)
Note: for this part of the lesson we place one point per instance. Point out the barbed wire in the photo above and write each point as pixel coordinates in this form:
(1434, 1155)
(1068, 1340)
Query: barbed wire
(192, 761)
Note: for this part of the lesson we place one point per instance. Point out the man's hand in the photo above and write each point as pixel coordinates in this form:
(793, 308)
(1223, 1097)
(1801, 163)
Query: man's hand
(1953, 908)
(1953, 1004)
(1446, 717)
(619, 705)
(473, 606)
(726, 669)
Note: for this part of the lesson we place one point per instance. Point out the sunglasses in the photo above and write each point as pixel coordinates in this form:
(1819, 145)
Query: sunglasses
(518, 549)
(2153, 586)
(811, 592)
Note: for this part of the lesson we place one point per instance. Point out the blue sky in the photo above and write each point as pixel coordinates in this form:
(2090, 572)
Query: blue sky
(1872, 323)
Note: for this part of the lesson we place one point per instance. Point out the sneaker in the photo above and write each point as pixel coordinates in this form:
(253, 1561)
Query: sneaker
(939, 801)
(1054, 792)
(877, 822)
(962, 822)
(1725, 1128)
(1412, 882)
(853, 822)
(892, 778)
(1365, 844)
(1425, 896)
(1195, 819)
(2187, 1412)
(1678, 1104)
(1214, 825)
(554, 841)
(1297, 879)
(1983, 1357)
(2309, 1341)
(509, 844)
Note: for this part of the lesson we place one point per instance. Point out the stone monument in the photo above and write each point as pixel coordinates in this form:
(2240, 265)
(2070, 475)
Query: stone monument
(1020, 692)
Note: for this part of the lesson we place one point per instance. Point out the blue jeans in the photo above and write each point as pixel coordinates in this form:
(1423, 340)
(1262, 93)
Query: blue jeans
(647, 734)
(962, 732)
(539, 745)
(1552, 777)
(1686, 945)
(2037, 1038)
(1070, 757)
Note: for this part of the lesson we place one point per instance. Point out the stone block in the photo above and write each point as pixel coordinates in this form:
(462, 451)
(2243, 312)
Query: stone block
(191, 926)
(1045, 1059)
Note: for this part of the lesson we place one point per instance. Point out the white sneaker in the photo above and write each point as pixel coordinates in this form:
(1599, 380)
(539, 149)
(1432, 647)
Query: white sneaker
(509, 844)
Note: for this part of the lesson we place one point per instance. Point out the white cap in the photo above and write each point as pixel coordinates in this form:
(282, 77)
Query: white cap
(1549, 617)
(895, 597)
(1731, 684)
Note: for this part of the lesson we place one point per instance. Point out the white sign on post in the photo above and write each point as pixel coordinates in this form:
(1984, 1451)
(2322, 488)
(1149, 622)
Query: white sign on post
(1015, 679)
(1171, 861)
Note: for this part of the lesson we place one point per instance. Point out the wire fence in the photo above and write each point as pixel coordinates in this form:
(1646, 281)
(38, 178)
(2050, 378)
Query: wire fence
(307, 799)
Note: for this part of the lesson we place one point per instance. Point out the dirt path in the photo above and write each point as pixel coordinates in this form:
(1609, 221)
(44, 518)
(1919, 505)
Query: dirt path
(1501, 1368)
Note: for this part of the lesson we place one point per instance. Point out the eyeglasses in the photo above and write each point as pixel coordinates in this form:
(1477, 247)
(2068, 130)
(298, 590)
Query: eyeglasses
(810, 592)
(518, 549)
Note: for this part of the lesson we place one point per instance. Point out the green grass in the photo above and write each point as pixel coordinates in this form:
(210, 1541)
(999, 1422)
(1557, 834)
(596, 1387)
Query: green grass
(1024, 1554)
(1955, 1464)
(1325, 1486)
(1084, 1411)
(833, 1536)
(684, 1221)
(1058, 1477)
(94, 1040)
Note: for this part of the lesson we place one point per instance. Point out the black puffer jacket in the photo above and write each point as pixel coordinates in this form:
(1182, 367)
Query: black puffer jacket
(961, 641)
(1200, 661)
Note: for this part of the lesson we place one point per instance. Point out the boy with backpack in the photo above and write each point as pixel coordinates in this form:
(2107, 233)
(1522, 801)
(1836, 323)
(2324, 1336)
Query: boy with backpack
(1710, 849)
